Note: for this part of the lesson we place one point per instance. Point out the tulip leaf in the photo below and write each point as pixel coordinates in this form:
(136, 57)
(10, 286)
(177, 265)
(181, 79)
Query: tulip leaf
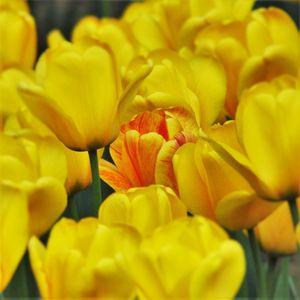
(22, 285)
(282, 290)
(248, 287)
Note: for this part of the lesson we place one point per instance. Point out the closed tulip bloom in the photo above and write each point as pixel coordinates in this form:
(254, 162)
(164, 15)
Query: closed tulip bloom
(144, 208)
(79, 94)
(144, 149)
(195, 82)
(156, 24)
(32, 194)
(212, 188)
(211, 262)
(276, 233)
(113, 32)
(17, 119)
(273, 42)
(174, 24)
(18, 38)
(271, 161)
(227, 42)
(84, 260)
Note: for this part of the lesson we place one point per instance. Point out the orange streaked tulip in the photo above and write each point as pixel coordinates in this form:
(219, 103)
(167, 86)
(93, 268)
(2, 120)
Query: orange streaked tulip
(143, 151)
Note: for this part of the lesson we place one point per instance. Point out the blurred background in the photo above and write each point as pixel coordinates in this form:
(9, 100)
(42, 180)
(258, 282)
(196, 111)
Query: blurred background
(64, 14)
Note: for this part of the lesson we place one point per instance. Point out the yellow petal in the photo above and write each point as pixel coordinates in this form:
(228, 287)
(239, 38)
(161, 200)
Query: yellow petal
(47, 111)
(79, 171)
(241, 164)
(210, 87)
(37, 253)
(273, 156)
(213, 278)
(18, 39)
(276, 233)
(76, 83)
(14, 231)
(143, 208)
(47, 199)
(191, 182)
(242, 210)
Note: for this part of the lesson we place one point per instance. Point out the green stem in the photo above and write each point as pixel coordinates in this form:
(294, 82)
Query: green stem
(96, 184)
(271, 275)
(294, 211)
(261, 279)
(72, 209)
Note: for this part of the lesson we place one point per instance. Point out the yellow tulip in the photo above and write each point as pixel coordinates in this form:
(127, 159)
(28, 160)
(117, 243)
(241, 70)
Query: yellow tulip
(190, 258)
(270, 139)
(212, 188)
(113, 32)
(78, 94)
(14, 4)
(156, 24)
(32, 194)
(196, 83)
(227, 42)
(144, 208)
(276, 233)
(273, 42)
(144, 149)
(17, 118)
(84, 260)
(18, 38)
(174, 24)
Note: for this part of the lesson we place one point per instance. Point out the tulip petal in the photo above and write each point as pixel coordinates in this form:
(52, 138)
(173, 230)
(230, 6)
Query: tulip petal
(191, 182)
(213, 279)
(47, 111)
(44, 152)
(210, 87)
(14, 231)
(111, 175)
(164, 172)
(37, 254)
(139, 73)
(139, 156)
(47, 200)
(276, 233)
(275, 157)
(275, 61)
(242, 210)
(241, 165)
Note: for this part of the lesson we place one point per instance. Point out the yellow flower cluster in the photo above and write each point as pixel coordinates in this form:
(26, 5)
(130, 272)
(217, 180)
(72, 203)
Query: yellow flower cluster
(199, 103)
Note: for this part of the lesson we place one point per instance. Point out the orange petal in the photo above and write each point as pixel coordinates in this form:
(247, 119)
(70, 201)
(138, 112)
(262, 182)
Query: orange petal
(111, 175)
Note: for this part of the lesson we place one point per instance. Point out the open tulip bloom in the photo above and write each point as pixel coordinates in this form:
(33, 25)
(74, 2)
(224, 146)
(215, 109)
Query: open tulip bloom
(151, 156)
